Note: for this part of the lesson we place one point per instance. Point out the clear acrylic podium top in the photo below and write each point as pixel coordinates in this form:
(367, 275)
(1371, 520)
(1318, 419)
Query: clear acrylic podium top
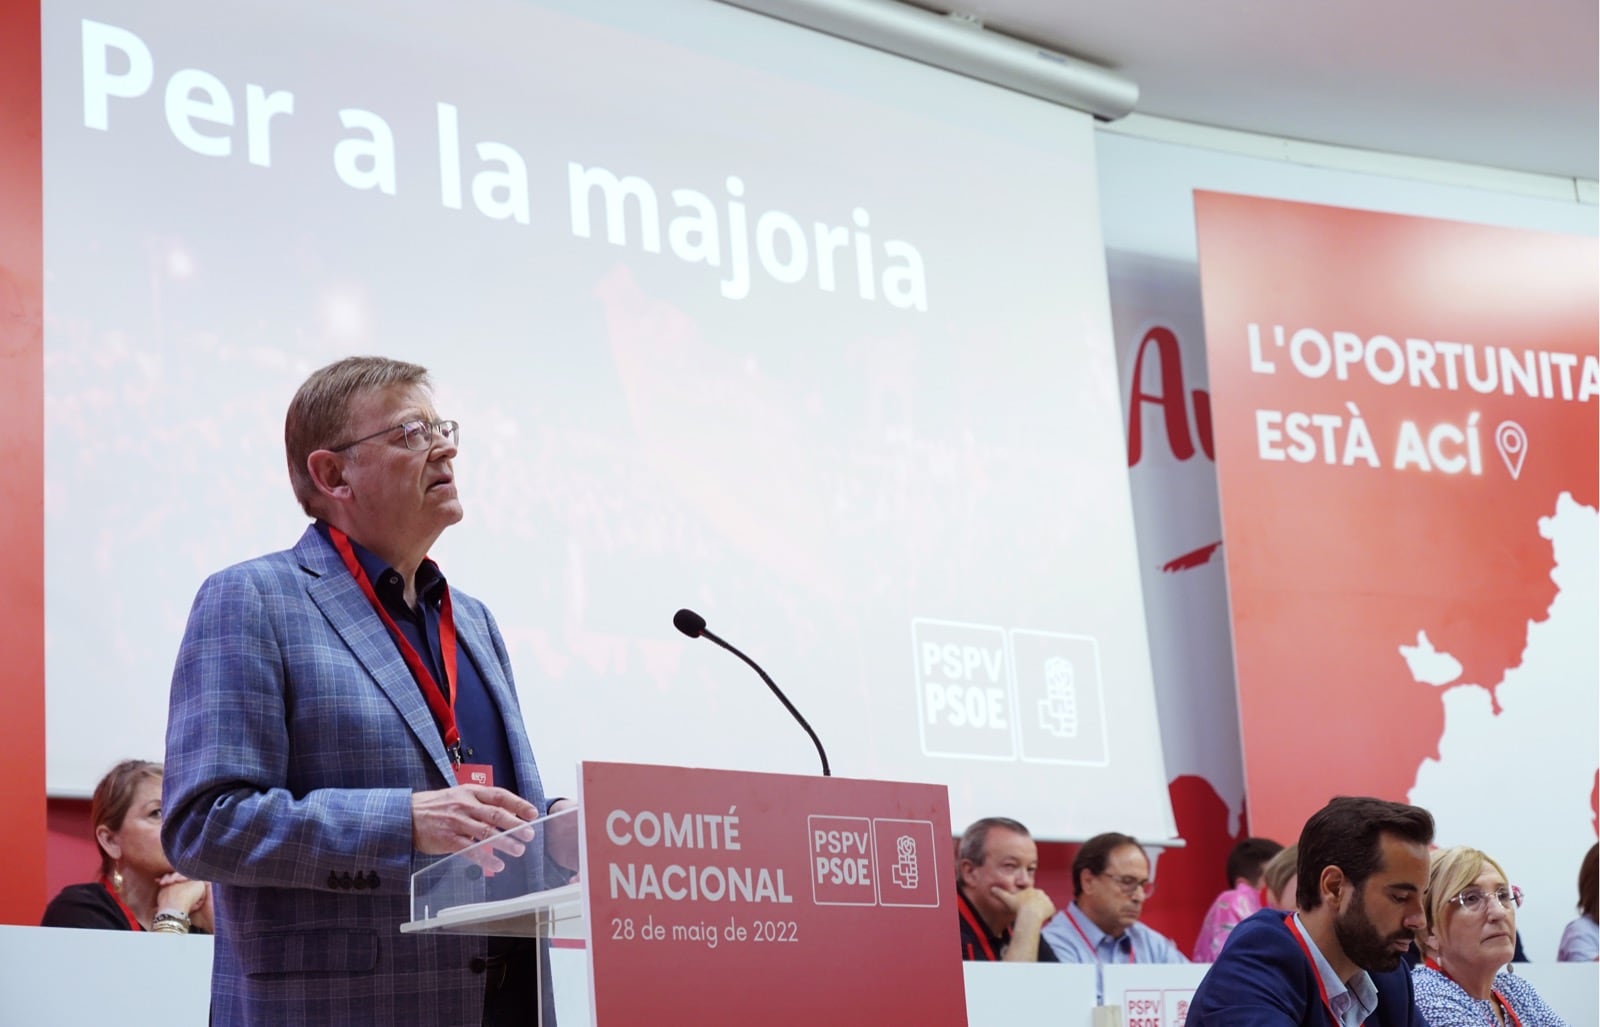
(520, 883)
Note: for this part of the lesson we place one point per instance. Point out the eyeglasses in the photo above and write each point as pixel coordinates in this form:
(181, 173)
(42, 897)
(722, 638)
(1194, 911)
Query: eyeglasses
(1474, 901)
(420, 435)
(1128, 884)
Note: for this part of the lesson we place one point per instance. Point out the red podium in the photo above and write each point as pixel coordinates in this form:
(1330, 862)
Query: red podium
(718, 897)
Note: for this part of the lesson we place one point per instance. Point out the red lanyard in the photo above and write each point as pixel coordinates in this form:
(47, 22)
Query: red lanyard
(1094, 951)
(977, 926)
(444, 712)
(1494, 996)
(133, 921)
(1322, 989)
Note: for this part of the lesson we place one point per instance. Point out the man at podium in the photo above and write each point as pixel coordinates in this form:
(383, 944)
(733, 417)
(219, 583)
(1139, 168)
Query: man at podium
(330, 705)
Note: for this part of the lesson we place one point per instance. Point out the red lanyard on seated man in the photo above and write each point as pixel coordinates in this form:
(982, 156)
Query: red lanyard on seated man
(1322, 989)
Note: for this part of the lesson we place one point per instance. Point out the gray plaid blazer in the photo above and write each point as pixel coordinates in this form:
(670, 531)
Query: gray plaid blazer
(295, 738)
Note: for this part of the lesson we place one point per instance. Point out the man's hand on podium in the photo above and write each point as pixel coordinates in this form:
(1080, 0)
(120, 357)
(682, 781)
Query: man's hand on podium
(451, 819)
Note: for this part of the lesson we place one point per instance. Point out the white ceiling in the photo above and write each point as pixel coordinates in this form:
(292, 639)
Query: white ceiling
(1500, 83)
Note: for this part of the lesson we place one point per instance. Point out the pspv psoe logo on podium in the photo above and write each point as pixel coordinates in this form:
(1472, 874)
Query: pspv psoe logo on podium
(872, 861)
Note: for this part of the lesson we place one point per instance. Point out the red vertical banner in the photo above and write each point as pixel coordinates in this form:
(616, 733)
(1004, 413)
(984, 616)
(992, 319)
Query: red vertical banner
(1406, 441)
(716, 897)
(22, 798)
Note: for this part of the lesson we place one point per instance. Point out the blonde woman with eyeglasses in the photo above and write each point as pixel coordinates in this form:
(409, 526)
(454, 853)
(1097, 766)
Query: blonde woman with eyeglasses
(1469, 939)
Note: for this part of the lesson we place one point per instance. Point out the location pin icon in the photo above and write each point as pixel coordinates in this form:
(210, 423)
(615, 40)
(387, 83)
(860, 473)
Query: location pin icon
(1512, 442)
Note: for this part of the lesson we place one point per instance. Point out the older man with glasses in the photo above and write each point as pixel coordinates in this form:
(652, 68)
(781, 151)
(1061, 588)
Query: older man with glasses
(341, 717)
(1110, 883)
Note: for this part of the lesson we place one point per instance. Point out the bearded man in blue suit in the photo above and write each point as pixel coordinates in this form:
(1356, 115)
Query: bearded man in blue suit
(329, 704)
(1338, 960)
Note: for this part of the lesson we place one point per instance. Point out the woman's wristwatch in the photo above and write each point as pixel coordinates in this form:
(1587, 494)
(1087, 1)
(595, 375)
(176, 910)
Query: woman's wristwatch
(171, 921)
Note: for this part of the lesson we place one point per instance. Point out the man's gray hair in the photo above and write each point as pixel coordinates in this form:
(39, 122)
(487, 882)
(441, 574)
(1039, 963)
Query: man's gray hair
(319, 414)
(976, 837)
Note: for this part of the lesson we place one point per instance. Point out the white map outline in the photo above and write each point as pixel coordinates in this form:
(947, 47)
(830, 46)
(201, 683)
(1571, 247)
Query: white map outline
(1517, 784)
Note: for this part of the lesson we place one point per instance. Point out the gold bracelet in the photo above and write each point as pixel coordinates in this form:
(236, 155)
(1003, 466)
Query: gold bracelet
(167, 927)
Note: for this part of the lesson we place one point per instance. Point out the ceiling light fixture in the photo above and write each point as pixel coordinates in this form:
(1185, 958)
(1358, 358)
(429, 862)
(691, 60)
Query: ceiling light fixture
(960, 43)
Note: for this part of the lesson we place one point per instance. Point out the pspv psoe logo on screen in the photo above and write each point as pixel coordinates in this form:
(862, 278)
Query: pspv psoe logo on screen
(861, 861)
(1061, 696)
(966, 694)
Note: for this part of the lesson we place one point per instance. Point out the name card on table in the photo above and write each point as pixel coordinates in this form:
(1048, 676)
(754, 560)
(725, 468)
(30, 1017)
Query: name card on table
(1153, 995)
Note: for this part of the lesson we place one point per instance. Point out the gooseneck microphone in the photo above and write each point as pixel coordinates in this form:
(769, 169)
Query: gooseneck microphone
(694, 625)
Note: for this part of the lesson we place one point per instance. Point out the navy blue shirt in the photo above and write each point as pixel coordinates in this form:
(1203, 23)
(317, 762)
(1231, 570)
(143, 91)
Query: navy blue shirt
(478, 719)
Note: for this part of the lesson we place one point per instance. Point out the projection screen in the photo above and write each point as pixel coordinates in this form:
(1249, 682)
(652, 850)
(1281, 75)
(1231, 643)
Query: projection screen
(734, 316)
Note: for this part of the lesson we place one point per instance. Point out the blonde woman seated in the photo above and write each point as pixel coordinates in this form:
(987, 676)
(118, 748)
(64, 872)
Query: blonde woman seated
(1470, 937)
(137, 889)
(1279, 878)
